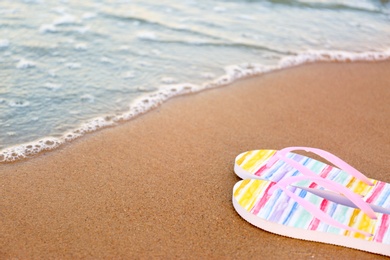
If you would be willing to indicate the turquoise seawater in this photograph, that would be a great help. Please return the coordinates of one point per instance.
(68, 67)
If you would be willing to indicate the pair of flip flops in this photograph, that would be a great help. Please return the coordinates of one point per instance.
(296, 196)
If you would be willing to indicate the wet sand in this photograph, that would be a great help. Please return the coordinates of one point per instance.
(160, 186)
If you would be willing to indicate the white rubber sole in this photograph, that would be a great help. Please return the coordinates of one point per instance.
(311, 235)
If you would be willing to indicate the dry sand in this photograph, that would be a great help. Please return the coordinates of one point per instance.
(160, 186)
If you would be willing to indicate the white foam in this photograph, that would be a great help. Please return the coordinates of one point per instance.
(155, 52)
(146, 89)
(128, 75)
(168, 80)
(246, 17)
(340, 56)
(87, 98)
(219, 9)
(8, 11)
(146, 35)
(207, 75)
(65, 19)
(73, 65)
(81, 46)
(83, 30)
(25, 64)
(87, 16)
(52, 73)
(365, 5)
(155, 99)
(34, 1)
(52, 86)
(4, 43)
(48, 28)
(18, 103)
(107, 60)
(124, 47)
(60, 10)
(29, 149)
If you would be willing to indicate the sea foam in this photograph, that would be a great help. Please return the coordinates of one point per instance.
(4, 43)
(25, 64)
(66, 19)
(145, 35)
(48, 28)
(18, 103)
(165, 92)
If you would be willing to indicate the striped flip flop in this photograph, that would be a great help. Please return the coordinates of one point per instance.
(276, 165)
(286, 209)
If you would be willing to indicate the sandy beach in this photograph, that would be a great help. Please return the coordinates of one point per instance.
(160, 186)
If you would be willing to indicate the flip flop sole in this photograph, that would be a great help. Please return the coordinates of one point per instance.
(254, 196)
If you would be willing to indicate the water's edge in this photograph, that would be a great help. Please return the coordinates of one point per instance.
(164, 93)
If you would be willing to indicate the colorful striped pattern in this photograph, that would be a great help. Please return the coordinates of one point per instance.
(255, 162)
(280, 208)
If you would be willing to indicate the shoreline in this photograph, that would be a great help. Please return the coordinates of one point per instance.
(160, 184)
(146, 103)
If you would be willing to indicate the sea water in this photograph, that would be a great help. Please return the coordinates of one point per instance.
(68, 67)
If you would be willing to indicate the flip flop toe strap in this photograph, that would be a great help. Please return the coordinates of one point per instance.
(315, 211)
(281, 154)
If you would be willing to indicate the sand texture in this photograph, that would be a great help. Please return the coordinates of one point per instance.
(160, 186)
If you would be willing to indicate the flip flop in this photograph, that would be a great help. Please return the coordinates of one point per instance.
(276, 165)
(288, 210)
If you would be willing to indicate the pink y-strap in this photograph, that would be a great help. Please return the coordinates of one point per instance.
(316, 212)
(281, 154)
